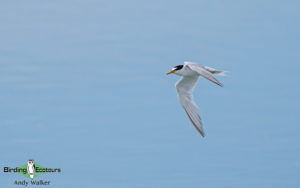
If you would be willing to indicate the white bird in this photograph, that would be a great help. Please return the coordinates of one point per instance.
(190, 73)
(31, 168)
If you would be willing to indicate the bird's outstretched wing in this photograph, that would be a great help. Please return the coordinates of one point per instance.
(202, 71)
(185, 88)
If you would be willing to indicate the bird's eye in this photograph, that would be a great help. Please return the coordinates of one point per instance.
(178, 67)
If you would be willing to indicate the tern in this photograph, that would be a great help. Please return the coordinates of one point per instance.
(190, 73)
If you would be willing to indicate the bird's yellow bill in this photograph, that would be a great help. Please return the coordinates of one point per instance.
(170, 72)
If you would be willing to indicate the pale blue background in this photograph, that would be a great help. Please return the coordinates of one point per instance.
(83, 88)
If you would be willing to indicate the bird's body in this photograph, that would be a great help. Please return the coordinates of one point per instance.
(190, 73)
(31, 168)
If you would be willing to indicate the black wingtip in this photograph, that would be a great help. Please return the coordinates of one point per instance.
(202, 134)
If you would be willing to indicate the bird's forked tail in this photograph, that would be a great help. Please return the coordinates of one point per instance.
(219, 72)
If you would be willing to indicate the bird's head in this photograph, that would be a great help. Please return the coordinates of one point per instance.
(30, 161)
(175, 69)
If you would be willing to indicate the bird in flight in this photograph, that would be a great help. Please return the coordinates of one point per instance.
(190, 73)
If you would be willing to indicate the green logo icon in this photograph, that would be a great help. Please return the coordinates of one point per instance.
(31, 170)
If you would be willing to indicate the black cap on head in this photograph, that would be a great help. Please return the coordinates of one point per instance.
(178, 67)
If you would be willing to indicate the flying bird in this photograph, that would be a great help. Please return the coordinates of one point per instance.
(190, 73)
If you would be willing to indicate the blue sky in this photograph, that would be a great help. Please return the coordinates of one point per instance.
(83, 88)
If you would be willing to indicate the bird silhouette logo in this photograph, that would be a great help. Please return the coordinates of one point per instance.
(31, 168)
